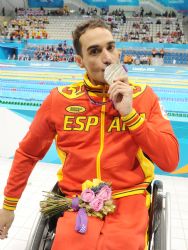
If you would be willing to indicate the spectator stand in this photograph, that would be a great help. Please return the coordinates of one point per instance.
(142, 28)
(60, 52)
(144, 56)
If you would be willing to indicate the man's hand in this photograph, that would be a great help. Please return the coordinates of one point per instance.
(121, 94)
(6, 219)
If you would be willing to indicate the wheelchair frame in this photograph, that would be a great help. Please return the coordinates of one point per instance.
(160, 219)
(159, 233)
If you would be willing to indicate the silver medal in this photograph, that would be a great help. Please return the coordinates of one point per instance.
(114, 71)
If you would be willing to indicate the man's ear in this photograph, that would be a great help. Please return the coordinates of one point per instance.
(79, 61)
(119, 53)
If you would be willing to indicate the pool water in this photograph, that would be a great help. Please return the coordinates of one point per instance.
(23, 87)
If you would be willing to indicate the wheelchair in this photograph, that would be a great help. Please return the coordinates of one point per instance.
(159, 233)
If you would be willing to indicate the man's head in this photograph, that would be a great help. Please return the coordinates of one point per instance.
(95, 48)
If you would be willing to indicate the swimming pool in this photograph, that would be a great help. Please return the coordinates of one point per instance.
(24, 85)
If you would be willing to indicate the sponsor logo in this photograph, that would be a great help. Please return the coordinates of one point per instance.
(75, 109)
(143, 69)
(40, 64)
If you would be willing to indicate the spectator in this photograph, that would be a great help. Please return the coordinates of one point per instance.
(5, 24)
(141, 12)
(126, 37)
(14, 56)
(124, 18)
(158, 21)
(161, 39)
(3, 11)
(11, 37)
(154, 52)
(161, 52)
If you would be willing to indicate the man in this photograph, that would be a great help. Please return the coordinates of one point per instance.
(101, 132)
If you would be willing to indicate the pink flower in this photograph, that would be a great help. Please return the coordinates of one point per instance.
(87, 195)
(97, 204)
(105, 193)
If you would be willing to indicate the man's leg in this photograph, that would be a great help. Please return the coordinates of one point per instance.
(126, 229)
(68, 239)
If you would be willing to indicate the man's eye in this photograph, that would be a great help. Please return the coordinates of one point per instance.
(94, 51)
(111, 47)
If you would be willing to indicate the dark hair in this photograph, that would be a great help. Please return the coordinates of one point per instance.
(82, 28)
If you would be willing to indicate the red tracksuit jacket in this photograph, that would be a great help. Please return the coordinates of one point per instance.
(94, 141)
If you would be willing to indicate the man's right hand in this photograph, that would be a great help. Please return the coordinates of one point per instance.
(6, 219)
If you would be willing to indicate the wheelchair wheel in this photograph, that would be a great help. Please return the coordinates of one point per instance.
(43, 230)
(159, 227)
(43, 233)
(159, 235)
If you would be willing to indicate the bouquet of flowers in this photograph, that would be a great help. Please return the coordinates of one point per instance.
(95, 200)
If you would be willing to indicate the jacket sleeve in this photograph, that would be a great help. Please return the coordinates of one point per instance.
(154, 135)
(32, 148)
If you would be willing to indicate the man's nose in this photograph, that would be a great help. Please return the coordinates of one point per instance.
(106, 57)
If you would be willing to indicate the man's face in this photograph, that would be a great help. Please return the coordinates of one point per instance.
(98, 51)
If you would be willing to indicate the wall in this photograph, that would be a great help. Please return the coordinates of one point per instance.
(119, 44)
(107, 3)
(180, 5)
(10, 5)
(9, 48)
(5, 48)
(46, 3)
(3, 53)
(152, 45)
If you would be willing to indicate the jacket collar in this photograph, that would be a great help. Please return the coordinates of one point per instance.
(101, 88)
